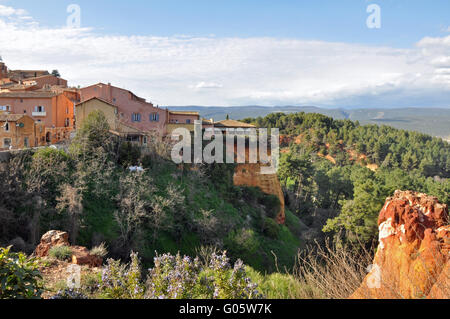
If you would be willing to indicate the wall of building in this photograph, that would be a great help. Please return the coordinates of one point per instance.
(178, 118)
(128, 104)
(63, 108)
(26, 106)
(17, 135)
(42, 81)
(83, 110)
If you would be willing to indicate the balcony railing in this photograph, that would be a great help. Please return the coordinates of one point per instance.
(39, 114)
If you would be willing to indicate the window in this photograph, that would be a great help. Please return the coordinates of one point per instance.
(67, 122)
(136, 117)
(6, 142)
(26, 142)
(4, 108)
(188, 121)
(154, 117)
(39, 109)
(145, 140)
(7, 127)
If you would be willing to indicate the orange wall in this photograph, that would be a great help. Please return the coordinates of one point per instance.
(17, 135)
(182, 118)
(128, 104)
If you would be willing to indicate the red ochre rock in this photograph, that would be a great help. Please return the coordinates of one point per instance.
(56, 238)
(412, 259)
(52, 238)
(250, 175)
(81, 256)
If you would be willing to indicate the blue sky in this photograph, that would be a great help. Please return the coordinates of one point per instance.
(404, 22)
(241, 52)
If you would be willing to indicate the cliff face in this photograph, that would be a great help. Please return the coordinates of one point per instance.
(250, 175)
(412, 259)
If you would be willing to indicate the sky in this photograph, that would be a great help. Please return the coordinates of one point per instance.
(237, 53)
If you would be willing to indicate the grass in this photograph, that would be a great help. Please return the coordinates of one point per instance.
(63, 253)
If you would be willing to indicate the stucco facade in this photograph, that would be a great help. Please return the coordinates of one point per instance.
(132, 110)
(54, 111)
(18, 131)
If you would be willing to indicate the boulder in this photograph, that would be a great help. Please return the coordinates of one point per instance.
(81, 256)
(52, 238)
(412, 259)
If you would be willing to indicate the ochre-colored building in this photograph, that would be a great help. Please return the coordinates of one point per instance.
(111, 112)
(54, 111)
(19, 131)
(132, 110)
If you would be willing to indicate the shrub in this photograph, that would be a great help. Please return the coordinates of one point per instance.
(63, 253)
(243, 243)
(174, 277)
(271, 228)
(272, 204)
(122, 281)
(129, 154)
(277, 285)
(90, 283)
(99, 251)
(19, 276)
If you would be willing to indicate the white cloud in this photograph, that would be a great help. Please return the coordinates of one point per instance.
(10, 11)
(187, 70)
(206, 85)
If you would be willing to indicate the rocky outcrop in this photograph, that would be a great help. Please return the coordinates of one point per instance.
(250, 175)
(81, 256)
(56, 238)
(412, 259)
(52, 238)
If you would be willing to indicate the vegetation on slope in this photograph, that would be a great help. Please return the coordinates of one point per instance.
(89, 191)
(327, 183)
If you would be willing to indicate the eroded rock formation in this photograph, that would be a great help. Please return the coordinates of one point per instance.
(250, 175)
(81, 256)
(56, 238)
(412, 259)
(50, 239)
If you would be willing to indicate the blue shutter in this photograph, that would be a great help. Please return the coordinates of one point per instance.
(157, 117)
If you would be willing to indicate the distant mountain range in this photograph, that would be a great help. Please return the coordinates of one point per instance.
(433, 121)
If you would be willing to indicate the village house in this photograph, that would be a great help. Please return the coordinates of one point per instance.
(132, 110)
(19, 131)
(54, 111)
(117, 126)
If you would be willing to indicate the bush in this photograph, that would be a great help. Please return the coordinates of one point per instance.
(63, 253)
(129, 154)
(19, 276)
(99, 251)
(278, 286)
(174, 277)
(272, 204)
(271, 228)
(90, 283)
(122, 281)
(242, 243)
